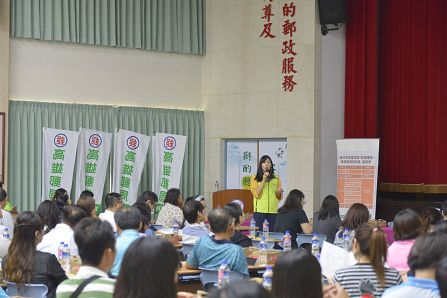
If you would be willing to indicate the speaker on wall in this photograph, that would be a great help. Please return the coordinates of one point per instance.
(332, 11)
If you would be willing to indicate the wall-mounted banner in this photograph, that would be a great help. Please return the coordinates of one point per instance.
(58, 159)
(129, 156)
(357, 168)
(168, 151)
(93, 157)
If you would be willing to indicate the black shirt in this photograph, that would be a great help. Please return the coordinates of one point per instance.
(291, 221)
(46, 270)
(240, 239)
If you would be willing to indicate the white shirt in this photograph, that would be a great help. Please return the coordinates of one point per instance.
(60, 233)
(4, 242)
(108, 216)
(8, 221)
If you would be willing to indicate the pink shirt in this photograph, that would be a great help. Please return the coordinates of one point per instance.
(398, 254)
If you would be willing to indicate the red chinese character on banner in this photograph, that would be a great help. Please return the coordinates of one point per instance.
(288, 47)
(288, 83)
(288, 28)
(267, 12)
(267, 31)
(288, 66)
(288, 10)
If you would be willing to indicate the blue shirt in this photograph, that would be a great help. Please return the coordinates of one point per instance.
(122, 243)
(208, 253)
(414, 287)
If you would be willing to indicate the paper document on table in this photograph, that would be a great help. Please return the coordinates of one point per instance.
(333, 258)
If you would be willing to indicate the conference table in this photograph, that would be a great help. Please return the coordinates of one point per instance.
(192, 285)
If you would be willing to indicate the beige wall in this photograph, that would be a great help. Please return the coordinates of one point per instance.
(73, 73)
(241, 86)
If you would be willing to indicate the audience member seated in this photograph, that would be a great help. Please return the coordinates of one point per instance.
(429, 217)
(210, 251)
(424, 258)
(50, 214)
(407, 227)
(291, 216)
(96, 243)
(295, 272)
(357, 214)
(61, 198)
(25, 265)
(368, 276)
(128, 221)
(87, 200)
(444, 209)
(145, 214)
(4, 242)
(193, 230)
(148, 269)
(197, 198)
(113, 203)
(238, 238)
(6, 218)
(63, 232)
(327, 221)
(441, 226)
(441, 277)
(151, 200)
(242, 289)
(172, 210)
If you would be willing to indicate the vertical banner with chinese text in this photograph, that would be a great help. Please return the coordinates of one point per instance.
(93, 156)
(168, 153)
(58, 159)
(129, 156)
(357, 168)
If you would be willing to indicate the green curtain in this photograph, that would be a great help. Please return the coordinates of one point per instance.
(161, 25)
(26, 120)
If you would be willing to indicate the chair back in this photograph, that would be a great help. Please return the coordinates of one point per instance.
(208, 277)
(307, 238)
(256, 243)
(187, 249)
(27, 290)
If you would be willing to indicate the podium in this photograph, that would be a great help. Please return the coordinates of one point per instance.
(223, 197)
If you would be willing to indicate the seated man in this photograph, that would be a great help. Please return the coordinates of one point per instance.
(96, 243)
(424, 258)
(113, 203)
(193, 230)
(210, 251)
(63, 232)
(128, 222)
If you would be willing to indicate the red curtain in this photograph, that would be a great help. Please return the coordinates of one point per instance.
(361, 69)
(410, 100)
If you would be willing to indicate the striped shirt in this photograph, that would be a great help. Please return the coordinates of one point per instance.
(193, 232)
(99, 288)
(361, 278)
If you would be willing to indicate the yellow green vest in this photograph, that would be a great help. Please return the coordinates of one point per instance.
(267, 202)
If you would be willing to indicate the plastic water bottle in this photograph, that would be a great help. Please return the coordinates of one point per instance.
(265, 229)
(267, 278)
(287, 242)
(175, 229)
(316, 246)
(66, 258)
(346, 239)
(6, 233)
(60, 251)
(223, 274)
(263, 251)
(252, 228)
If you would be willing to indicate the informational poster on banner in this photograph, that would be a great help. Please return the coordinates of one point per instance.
(93, 157)
(129, 156)
(242, 158)
(357, 168)
(58, 159)
(168, 153)
(241, 161)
